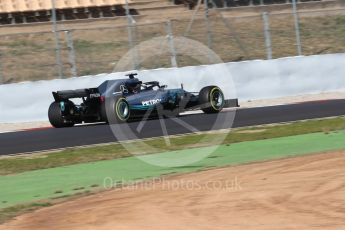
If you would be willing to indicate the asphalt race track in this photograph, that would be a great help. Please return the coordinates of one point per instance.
(48, 139)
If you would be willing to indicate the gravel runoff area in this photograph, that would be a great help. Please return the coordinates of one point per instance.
(298, 193)
(12, 127)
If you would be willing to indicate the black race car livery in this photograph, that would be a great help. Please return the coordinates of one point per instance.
(117, 101)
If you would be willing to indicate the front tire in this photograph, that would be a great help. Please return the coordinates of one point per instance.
(211, 99)
(55, 117)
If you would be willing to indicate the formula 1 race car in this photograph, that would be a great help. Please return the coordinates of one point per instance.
(118, 101)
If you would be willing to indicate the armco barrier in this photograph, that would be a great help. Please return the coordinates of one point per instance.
(249, 80)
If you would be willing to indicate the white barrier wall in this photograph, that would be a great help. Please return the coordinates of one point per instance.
(249, 80)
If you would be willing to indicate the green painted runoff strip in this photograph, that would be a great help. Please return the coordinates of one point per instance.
(50, 183)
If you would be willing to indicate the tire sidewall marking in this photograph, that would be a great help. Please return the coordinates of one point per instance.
(211, 100)
(117, 108)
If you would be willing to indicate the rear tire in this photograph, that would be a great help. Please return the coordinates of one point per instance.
(55, 117)
(211, 99)
(120, 110)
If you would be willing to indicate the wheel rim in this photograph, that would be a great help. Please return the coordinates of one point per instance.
(122, 110)
(217, 99)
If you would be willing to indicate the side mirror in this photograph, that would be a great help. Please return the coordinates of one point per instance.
(163, 86)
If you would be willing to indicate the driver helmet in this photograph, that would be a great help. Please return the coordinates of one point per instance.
(134, 87)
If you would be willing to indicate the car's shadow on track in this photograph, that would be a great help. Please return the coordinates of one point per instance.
(135, 121)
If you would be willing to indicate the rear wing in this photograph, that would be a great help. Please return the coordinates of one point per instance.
(79, 93)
